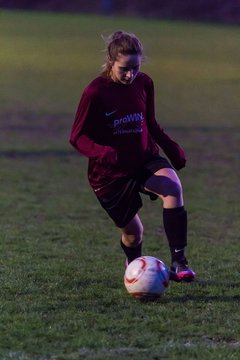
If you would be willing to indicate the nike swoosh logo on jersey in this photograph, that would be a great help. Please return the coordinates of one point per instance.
(110, 113)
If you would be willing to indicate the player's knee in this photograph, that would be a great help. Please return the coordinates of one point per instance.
(176, 190)
(133, 239)
(132, 233)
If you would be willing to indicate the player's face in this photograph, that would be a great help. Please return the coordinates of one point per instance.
(125, 68)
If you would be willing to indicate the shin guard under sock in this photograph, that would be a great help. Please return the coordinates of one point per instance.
(132, 252)
(175, 225)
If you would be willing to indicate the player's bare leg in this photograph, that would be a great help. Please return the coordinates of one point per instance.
(131, 240)
(166, 184)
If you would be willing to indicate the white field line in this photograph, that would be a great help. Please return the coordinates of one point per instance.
(114, 351)
(205, 342)
(85, 352)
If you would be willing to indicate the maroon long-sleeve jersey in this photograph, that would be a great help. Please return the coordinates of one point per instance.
(115, 127)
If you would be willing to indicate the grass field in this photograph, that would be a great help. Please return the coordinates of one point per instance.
(61, 269)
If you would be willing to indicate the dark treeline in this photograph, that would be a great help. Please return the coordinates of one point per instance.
(226, 11)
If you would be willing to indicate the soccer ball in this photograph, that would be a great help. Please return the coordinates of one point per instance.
(146, 277)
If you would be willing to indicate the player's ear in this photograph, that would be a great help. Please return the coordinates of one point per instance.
(110, 61)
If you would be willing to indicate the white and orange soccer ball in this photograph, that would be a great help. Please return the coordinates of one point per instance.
(146, 277)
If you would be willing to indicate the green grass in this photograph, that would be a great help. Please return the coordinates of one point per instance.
(61, 270)
(48, 59)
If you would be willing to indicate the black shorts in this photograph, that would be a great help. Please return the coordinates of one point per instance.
(123, 200)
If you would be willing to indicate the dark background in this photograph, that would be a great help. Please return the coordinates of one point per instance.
(224, 11)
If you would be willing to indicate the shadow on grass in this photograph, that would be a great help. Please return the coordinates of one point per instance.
(203, 298)
(223, 284)
(208, 284)
(196, 298)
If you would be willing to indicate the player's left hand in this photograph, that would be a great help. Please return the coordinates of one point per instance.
(177, 156)
(179, 163)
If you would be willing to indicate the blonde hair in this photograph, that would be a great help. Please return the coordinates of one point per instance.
(120, 42)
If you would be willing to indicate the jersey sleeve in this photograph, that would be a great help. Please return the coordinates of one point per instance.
(173, 151)
(80, 138)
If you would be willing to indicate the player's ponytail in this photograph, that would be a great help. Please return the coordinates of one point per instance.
(120, 42)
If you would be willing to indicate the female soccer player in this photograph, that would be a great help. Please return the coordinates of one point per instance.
(115, 127)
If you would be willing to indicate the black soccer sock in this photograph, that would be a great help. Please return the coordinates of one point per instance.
(175, 225)
(132, 252)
